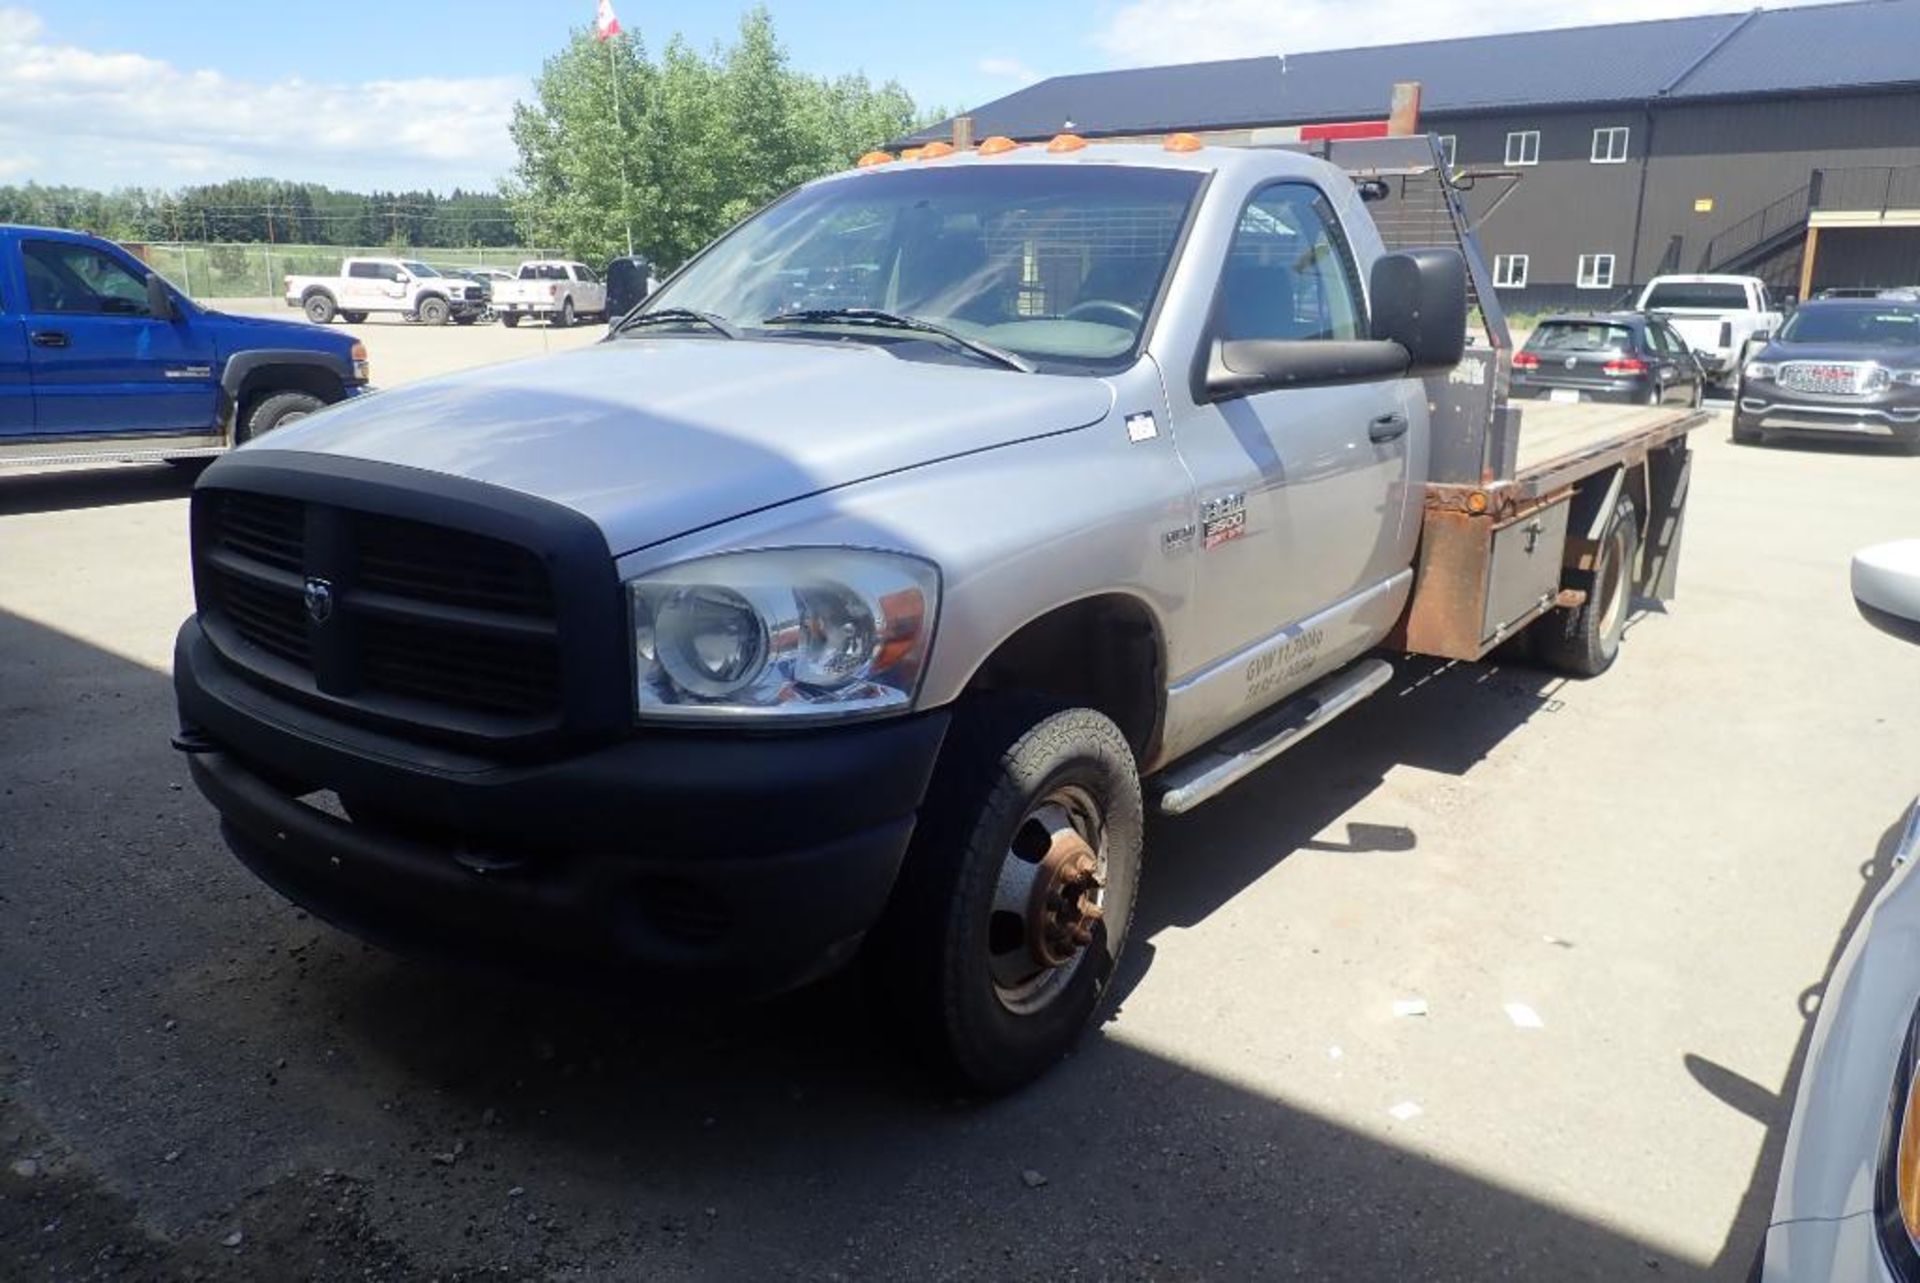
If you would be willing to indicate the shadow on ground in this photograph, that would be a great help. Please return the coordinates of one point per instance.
(78, 488)
(188, 1059)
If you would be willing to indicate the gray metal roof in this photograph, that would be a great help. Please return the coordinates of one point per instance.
(1865, 43)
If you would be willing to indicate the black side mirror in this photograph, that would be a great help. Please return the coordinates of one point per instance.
(1420, 302)
(160, 299)
(1761, 336)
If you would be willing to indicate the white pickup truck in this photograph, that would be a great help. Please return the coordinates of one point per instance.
(1723, 318)
(558, 289)
(368, 285)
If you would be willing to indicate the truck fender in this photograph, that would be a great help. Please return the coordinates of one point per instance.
(311, 290)
(241, 365)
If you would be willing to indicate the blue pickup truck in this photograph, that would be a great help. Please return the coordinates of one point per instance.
(102, 360)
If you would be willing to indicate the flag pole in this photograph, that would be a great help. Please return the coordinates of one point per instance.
(613, 74)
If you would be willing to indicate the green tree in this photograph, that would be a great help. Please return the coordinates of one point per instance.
(699, 142)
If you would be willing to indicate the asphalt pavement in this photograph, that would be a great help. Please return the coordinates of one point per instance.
(1614, 901)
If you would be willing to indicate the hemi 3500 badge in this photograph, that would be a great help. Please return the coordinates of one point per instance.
(1222, 519)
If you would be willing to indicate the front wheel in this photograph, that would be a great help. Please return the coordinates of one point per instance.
(277, 411)
(1017, 894)
(1584, 640)
(434, 311)
(509, 319)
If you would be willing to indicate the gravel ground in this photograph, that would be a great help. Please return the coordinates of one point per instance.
(199, 1081)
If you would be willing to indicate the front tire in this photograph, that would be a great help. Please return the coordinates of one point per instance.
(509, 319)
(1584, 640)
(1746, 434)
(277, 411)
(1017, 894)
(434, 311)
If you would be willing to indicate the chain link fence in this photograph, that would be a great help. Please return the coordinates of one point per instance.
(216, 270)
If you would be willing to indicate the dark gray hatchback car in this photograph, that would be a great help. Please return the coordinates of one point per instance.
(1634, 358)
(1848, 366)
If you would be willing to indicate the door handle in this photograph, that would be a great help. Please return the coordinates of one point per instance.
(49, 338)
(1388, 427)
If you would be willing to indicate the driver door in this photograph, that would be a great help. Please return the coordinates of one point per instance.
(101, 364)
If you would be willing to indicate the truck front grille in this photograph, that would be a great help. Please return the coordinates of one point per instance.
(407, 618)
(1833, 378)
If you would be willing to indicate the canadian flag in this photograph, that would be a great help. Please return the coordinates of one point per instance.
(606, 25)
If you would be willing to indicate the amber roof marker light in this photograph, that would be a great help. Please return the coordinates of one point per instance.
(997, 145)
(1183, 142)
(1067, 142)
(873, 158)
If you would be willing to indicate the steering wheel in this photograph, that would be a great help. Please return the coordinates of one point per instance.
(1130, 317)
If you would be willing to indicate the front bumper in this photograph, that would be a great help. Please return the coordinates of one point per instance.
(1889, 415)
(740, 862)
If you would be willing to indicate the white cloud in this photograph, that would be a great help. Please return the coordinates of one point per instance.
(107, 119)
(1008, 69)
(1149, 32)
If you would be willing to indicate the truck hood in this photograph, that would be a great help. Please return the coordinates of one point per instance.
(651, 438)
(1893, 357)
(261, 330)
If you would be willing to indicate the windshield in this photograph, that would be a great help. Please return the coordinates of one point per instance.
(1060, 264)
(1871, 326)
(1703, 295)
(419, 269)
(1580, 336)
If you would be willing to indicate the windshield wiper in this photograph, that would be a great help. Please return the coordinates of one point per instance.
(881, 319)
(718, 324)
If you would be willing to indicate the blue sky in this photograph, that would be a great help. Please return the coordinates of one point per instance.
(418, 93)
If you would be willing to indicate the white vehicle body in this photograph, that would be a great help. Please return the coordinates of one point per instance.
(1836, 1209)
(368, 285)
(557, 289)
(1722, 318)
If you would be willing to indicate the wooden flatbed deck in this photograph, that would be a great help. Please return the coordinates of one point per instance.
(1559, 444)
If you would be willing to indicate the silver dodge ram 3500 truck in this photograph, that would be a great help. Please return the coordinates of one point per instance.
(860, 592)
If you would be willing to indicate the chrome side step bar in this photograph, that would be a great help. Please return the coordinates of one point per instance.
(1211, 771)
(20, 452)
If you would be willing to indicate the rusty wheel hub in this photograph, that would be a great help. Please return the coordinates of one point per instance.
(1066, 900)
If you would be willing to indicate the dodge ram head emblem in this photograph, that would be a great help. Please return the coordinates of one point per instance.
(319, 599)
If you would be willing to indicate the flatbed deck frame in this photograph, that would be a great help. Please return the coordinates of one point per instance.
(1518, 497)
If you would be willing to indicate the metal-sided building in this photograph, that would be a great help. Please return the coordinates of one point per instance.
(1782, 143)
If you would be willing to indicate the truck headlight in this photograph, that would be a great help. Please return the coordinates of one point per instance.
(1763, 371)
(362, 368)
(782, 633)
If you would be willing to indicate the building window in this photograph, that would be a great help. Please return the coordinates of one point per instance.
(1448, 146)
(1610, 146)
(1510, 271)
(1524, 148)
(1596, 271)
